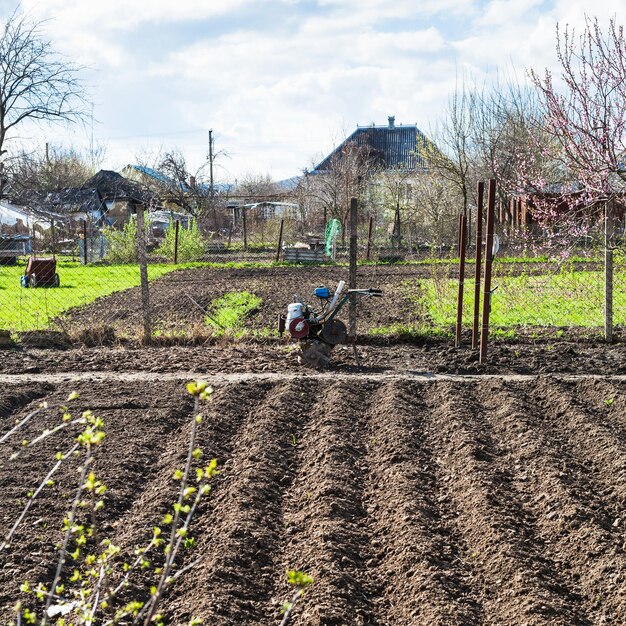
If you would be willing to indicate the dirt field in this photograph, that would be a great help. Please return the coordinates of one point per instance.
(489, 502)
(173, 311)
(416, 486)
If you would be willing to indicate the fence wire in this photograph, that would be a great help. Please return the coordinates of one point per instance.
(251, 271)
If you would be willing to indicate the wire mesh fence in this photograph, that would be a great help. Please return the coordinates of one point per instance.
(198, 276)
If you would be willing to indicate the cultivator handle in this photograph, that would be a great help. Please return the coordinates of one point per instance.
(371, 292)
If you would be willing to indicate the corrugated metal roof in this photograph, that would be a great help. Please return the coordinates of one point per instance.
(392, 147)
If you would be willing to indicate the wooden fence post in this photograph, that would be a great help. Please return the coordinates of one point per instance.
(280, 239)
(143, 274)
(353, 267)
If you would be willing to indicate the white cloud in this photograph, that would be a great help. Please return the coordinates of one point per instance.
(280, 81)
(127, 14)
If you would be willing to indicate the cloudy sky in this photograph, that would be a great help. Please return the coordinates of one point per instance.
(282, 81)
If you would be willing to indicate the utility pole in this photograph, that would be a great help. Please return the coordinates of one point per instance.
(211, 190)
(211, 187)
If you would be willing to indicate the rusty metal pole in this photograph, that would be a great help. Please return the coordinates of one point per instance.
(85, 242)
(484, 332)
(176, 233)
(608, 272)
(280, 239)
(459, 307)
(369, 236)
(479, 243)
(143, 275)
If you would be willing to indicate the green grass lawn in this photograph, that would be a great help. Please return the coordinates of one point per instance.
(562, 299)
(30, 309)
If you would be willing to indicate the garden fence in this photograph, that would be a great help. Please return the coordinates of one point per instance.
(540, 289)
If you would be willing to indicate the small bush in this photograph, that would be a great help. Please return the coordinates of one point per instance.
(122, 244)
(191, 246)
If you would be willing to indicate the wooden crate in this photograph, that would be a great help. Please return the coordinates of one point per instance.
(303, 255)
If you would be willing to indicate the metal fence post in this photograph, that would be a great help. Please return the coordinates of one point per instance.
(176, 234)
(85, 242)
(369, 236)
(608, 272)
(143, 274)
(245, 229)
(479, 242)
(484, 333)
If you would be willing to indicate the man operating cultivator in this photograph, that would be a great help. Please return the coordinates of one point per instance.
(320, 331)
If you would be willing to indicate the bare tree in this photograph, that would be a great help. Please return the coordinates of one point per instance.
(395, 190)
(33, 176)
(36, 83)
(486, 133)
(435, 209)
(345, 178)
(257, 187)
(452, 155)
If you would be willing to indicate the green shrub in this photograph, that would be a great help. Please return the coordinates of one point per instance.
(122, 244)
(191, 245)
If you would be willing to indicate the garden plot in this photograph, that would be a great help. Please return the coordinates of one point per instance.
(531, 298)
(478, 502)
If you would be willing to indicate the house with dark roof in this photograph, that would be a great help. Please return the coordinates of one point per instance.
(388, 147)
(106, 199)
(380, 164)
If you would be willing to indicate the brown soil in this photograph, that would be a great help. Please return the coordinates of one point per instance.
(432, 503)
(488, 502)
(173, 312)
(523, 356)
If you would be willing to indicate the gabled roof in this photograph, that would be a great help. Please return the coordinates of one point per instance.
(158, 176)
(289, 184)
(391, 146)
(113, 186)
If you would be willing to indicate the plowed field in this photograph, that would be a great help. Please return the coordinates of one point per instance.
(442, 502)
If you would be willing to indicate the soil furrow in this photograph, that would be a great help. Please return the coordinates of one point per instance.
(595, 450)
(600, 438)
(605, 400)
(512, 577)
(14, 398)
(235, 581)
(592, 461)
(330, 539)
(411, 500)
(564, 497)
(294, 418)
(223, 416)
(414, 549)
